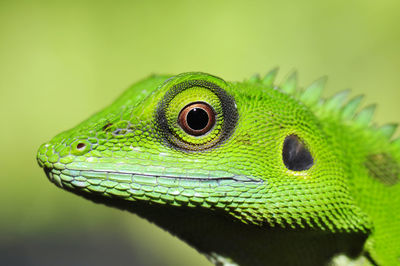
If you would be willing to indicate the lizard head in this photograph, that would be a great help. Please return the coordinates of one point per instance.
(196, 141)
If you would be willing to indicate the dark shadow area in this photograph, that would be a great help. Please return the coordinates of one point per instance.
(215, 232)
(72, 249)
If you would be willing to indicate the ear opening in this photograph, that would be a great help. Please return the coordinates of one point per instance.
(295, 154)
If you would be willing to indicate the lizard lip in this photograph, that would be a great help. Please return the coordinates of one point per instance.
(96, 176)
(146, 187)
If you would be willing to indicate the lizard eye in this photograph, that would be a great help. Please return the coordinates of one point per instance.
(197, 118)
(196, 112)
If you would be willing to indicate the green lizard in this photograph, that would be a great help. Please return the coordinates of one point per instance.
(248, 173)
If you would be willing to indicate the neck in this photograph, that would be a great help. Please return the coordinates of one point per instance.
(373, 167)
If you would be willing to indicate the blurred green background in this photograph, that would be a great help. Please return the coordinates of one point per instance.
(61, 61)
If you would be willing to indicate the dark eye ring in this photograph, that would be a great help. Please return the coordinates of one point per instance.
(197, 118)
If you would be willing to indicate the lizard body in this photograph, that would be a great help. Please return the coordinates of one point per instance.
(248, 173)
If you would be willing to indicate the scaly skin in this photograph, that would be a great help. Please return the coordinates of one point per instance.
(281, 178)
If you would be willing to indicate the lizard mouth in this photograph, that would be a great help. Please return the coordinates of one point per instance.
(150, 183)
(165, 189)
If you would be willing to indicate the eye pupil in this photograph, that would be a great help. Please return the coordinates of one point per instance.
(197, 119)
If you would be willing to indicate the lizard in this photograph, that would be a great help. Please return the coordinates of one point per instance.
(247, 173)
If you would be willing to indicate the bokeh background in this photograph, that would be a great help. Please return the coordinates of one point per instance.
(61, 61)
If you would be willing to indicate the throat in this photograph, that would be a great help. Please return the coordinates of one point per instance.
(227, 241)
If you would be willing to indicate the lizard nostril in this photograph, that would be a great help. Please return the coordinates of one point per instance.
(81, 146)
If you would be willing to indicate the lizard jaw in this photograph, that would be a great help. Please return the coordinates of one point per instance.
(219, 192)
